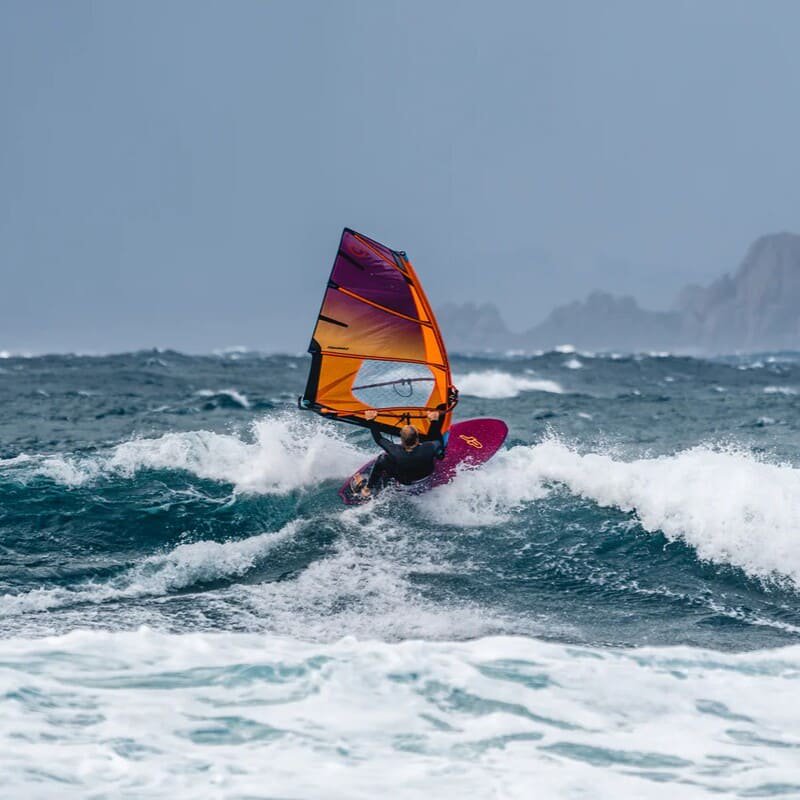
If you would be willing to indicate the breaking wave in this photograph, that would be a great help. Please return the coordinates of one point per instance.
(185, 566)
(228, 395)
(280, 454)
(496, 385)
(729, 506)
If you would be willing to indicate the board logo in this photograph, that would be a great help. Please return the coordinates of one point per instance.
(471, 441)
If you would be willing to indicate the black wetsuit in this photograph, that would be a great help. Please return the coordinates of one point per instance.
(406, 466)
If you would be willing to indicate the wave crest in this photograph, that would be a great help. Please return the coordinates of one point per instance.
(496, 385)
(281, 454)
(730, 507)
(158, 575)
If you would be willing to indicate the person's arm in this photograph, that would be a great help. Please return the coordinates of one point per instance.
(435, 431)
(380, 440)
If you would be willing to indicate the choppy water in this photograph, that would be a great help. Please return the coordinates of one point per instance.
(609, 608)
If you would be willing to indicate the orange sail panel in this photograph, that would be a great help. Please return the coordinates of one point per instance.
(376, 344)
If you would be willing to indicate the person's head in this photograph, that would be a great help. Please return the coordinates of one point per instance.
(409, 436)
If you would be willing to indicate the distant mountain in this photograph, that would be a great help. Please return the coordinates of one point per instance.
(607, 322)
(757, 308)
(476, 327)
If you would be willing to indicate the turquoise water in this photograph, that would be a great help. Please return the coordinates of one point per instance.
(609, 608)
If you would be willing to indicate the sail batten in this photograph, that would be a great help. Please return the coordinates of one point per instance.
(382, 308)
(376, 344)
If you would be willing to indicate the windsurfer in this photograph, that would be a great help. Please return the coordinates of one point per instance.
(408, 462)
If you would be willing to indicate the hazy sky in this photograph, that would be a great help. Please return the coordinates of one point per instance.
(178, 173)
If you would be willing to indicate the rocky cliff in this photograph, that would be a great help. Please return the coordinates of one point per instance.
(756, 308)
(473, 328)
(606, 322)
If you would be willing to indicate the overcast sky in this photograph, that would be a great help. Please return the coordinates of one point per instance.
(177, 174)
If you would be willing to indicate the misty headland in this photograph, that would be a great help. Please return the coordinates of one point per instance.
(754, 308)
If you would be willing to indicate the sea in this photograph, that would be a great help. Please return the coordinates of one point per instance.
(609, 608)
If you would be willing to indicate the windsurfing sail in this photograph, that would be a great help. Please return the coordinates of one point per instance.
(376, 344)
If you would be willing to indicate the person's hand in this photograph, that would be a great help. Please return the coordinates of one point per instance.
(371, 414)
(433, 416)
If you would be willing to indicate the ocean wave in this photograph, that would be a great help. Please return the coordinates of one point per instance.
(183, 567)
(366, 585)
(7, 354)
(360, 587)
(481, 719)
(495, 385)
(786, 390)
(230, 395)
(729, 506)
(235, 349)
(281, 454)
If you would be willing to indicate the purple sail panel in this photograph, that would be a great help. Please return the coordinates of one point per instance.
(369, 271)
(381, 248)
(348, 326)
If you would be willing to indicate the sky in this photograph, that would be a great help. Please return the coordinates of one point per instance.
(177, 174)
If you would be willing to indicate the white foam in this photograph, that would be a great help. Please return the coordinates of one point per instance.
(362, 588)
(157, 715)
(729, 506)
(232, 394)
(564, 348)
(67, 470)
(495, 385)
(488, 495)
(280, 454)
(573, 363)
(14, 461)
(787, 390)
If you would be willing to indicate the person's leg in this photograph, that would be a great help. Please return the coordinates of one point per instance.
(381, 472)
